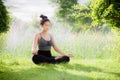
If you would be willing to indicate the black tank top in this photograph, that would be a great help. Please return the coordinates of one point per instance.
(44, 44)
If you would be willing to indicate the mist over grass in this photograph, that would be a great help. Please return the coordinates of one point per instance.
(88, 44)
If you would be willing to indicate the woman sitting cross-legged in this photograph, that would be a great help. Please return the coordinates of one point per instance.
(44, 41)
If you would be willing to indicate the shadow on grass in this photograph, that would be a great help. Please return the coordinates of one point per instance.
(47, 72)
(51, 72)
(32, 74)
(81, 67)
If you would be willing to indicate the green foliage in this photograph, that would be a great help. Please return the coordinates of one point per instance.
(4, 18)
(74, 13)
(81, 16)
(106, 11)
(65, 8)
(92, 15)
(81, 13)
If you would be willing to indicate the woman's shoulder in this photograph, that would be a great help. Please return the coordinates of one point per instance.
(37, 35)
(50, 34)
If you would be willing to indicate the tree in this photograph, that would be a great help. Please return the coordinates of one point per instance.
(65, 8)
(4, 18)
(81, 15)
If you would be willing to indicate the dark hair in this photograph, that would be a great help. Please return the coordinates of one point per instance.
(44, 19)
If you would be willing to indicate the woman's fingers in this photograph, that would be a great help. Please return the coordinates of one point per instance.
(34, 52)
(69, 55)
(57, 57)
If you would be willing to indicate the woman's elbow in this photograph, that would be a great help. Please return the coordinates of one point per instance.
(55, 48)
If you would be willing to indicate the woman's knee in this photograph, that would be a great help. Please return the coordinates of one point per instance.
(66, 58)
(35, 59)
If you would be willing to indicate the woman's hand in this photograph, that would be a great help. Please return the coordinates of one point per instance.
(34, 52)
(69, 55)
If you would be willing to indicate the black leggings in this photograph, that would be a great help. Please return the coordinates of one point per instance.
(46, 57)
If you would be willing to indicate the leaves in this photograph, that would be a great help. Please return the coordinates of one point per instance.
(4, 18)
(108, 10)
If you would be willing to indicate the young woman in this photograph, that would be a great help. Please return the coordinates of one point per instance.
(44, 41)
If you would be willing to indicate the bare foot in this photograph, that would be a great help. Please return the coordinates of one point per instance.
(57, 57)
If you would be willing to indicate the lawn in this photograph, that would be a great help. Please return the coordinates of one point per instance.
(22, 68)
(95, 58)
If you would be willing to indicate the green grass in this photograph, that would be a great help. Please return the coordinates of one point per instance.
(96, 58)
(22, 68)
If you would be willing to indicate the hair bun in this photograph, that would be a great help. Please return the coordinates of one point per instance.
(43, 17)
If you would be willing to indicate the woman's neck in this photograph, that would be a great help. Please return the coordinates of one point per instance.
(44, 32)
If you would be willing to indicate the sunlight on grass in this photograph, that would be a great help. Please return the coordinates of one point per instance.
(22, 68)
(93, 60)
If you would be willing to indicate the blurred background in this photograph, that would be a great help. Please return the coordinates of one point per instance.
(89, 29)
(74, 26)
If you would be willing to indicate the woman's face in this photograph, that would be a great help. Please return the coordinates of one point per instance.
(46, 26)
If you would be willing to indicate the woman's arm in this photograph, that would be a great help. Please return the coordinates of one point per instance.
(35, 44)
(59, 50)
